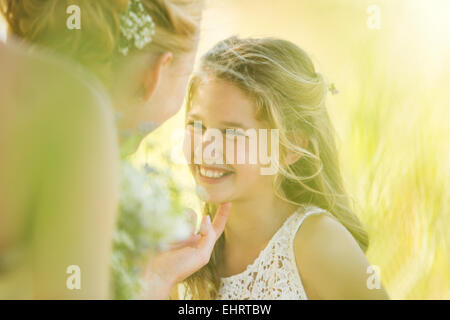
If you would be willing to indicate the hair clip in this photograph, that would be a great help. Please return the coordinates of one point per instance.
(136, 27)
(332, 89)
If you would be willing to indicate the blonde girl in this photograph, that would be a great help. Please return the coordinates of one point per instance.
(291, 235)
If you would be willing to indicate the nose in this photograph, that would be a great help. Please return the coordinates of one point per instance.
(209, 149)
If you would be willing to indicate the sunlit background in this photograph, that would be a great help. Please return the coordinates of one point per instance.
(392, 115)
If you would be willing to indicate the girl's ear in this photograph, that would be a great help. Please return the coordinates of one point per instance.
(155, 73)
(292, 157)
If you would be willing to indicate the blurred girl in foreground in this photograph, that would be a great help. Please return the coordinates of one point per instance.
(60, 162)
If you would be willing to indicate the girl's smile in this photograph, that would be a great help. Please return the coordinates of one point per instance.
(211, 174)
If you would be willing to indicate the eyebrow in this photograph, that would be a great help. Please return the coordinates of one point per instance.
(194, 116)
(234, 124)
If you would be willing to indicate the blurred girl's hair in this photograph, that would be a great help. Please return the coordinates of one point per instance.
(43, 22)
(290, 95)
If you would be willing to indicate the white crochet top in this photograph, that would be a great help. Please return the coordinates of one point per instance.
(273, 274)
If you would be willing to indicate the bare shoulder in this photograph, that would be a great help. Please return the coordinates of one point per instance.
(322, 233)
(330, 262)
(59, 139)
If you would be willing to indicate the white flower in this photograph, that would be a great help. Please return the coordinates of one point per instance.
(136, 27)
(150, 217)
(148, 201)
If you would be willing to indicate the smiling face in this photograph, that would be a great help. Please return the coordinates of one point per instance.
(219, 106)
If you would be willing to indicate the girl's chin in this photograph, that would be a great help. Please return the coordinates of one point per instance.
(212, 195)
(220, 198)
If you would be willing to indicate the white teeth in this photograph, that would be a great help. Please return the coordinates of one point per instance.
(211, 173)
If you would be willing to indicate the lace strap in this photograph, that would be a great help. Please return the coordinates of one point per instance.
(299, 220)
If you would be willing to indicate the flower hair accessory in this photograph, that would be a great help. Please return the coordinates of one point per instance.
(332, 89)
(136, 27)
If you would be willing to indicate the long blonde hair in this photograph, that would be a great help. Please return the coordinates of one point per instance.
(43, 22)
(290, 95)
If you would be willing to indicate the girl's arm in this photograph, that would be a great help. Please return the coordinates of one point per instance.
(331, 263)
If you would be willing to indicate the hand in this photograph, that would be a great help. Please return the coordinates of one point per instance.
(185, 257)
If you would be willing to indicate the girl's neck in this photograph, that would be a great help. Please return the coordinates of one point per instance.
(253, 222)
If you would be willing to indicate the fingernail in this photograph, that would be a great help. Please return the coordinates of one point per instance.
(208, 218)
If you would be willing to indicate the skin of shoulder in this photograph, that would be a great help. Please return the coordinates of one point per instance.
(87, 166)
(68, 155)
(330, 262)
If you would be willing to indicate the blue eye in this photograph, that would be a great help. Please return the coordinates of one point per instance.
(235, 132)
